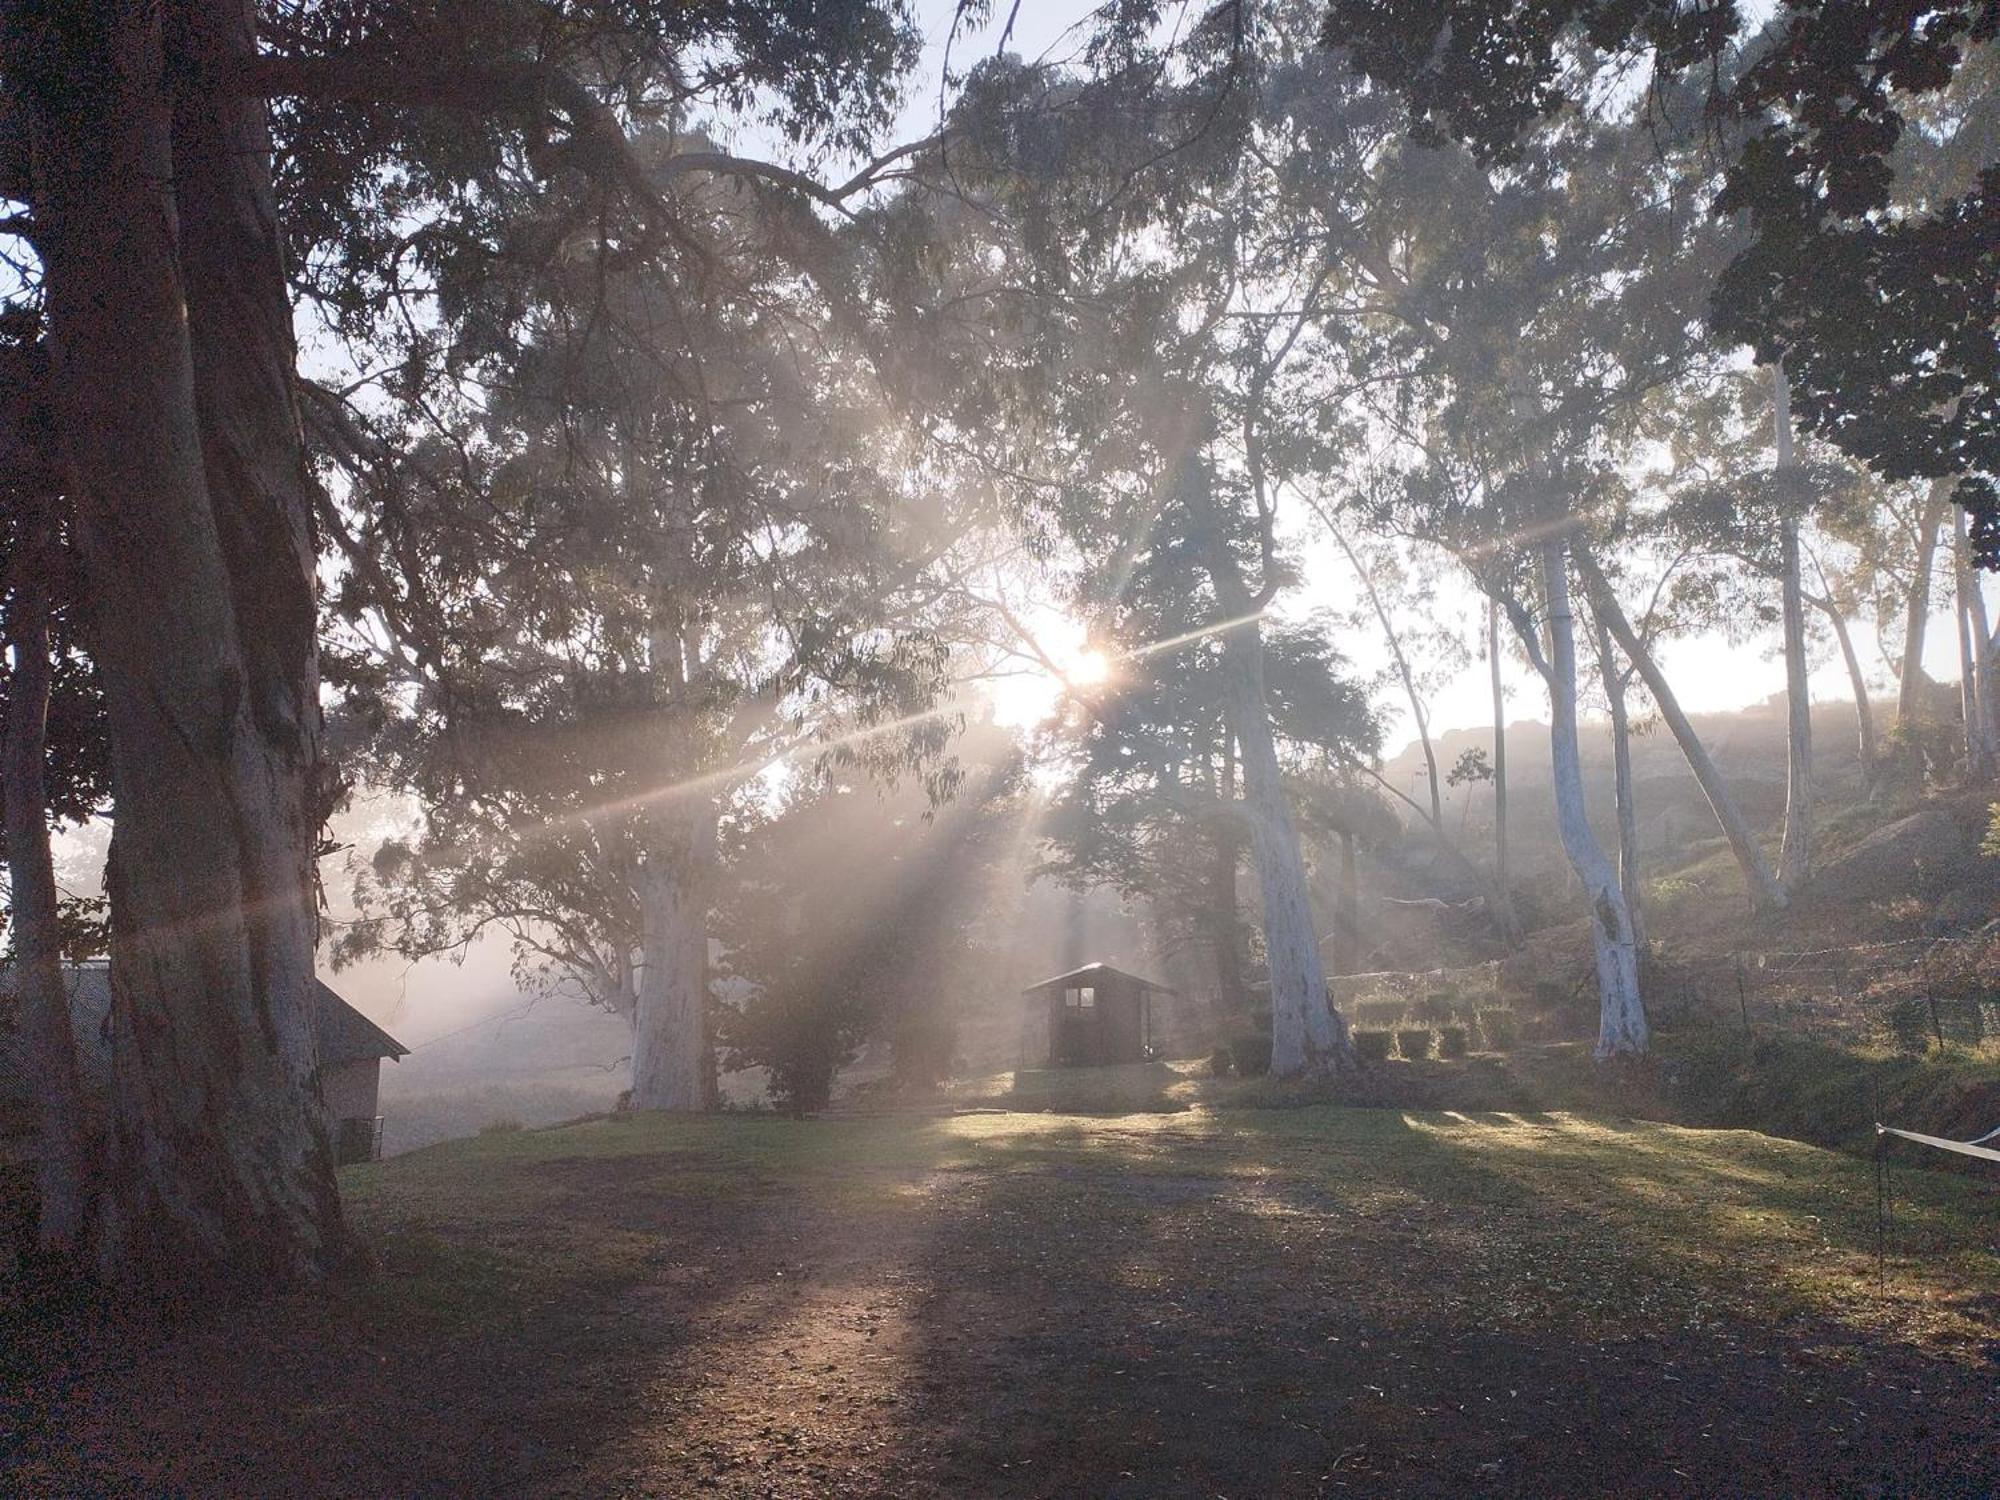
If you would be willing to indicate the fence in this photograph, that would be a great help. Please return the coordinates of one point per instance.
(1910, 994)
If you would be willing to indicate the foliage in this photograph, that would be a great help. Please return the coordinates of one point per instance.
(1821, 113)
(1251, 1052)
(851, 914)
(1414, 1042)
(1373, 1046)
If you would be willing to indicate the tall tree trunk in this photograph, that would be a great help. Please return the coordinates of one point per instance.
(1621, 1028)
(1917, 611)
(1621, 777)
(1307, 1036)
(1224, 915)
(64, 1169)
(1500, 877)
(1347, 917)
(1763, 888)
(171, 359)
(1974, 665)
(670, 1028)
(1795, 850)
(1857, 681)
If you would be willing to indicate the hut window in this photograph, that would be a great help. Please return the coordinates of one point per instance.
(1080, 997)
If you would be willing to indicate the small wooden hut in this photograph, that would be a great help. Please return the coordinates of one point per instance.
(1097, 1015)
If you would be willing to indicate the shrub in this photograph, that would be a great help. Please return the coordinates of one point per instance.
(1550, 996)
(1453, 1042)
(1500, 1029)
(1414, 1042)
(1437, 1005)
(920, 1050)
(1372, 1046)
(1252, 1054)
(1220, 1062)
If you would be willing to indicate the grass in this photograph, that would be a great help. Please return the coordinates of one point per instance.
(1221, 1298)
(462, 1227)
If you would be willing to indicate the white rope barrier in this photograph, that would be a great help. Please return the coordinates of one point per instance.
(1963, 1148)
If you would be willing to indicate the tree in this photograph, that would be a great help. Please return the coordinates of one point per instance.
(1152, 808)
(1816, 114)
(1148, 373)
(691, 579)
(52, 768)
(155, 223)
(855, 914)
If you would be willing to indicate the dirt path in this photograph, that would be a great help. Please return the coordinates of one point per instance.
(1324, 1303)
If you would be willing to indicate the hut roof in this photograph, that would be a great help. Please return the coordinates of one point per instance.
(1095, 974)
(345, 1035)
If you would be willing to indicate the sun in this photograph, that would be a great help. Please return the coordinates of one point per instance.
(1089, 669)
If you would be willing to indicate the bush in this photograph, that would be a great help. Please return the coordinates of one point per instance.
(920, 1051)
(1252, 1054)
(1550, 996)
(1372, 1046)
(1220, 1062)
(1500, 1029)
(1437, 1006)
(1414, 1042)
(1453, 1042)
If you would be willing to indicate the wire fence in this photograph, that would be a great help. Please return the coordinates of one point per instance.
(1911, 994)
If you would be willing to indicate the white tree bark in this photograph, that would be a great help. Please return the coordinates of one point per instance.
(1621, 777)
(1857, 681)
(1762, 886)
(1307, 1035)
(669, 1030)
(1795, 851)
(1621, 1027)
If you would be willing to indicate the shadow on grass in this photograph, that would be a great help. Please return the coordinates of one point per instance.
(1328, 1300)
(1257, 1302)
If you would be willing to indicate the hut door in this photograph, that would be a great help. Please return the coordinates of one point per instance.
(1077, 1041)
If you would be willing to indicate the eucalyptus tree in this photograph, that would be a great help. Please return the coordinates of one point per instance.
(139, 144)
(1149, 805)
(1128, 248)
(1515, 324)
(705, 552)
(1858, 146)
(52, 772)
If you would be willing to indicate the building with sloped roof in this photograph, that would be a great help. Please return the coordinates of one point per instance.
(351, 1049)
(1097, 1015)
